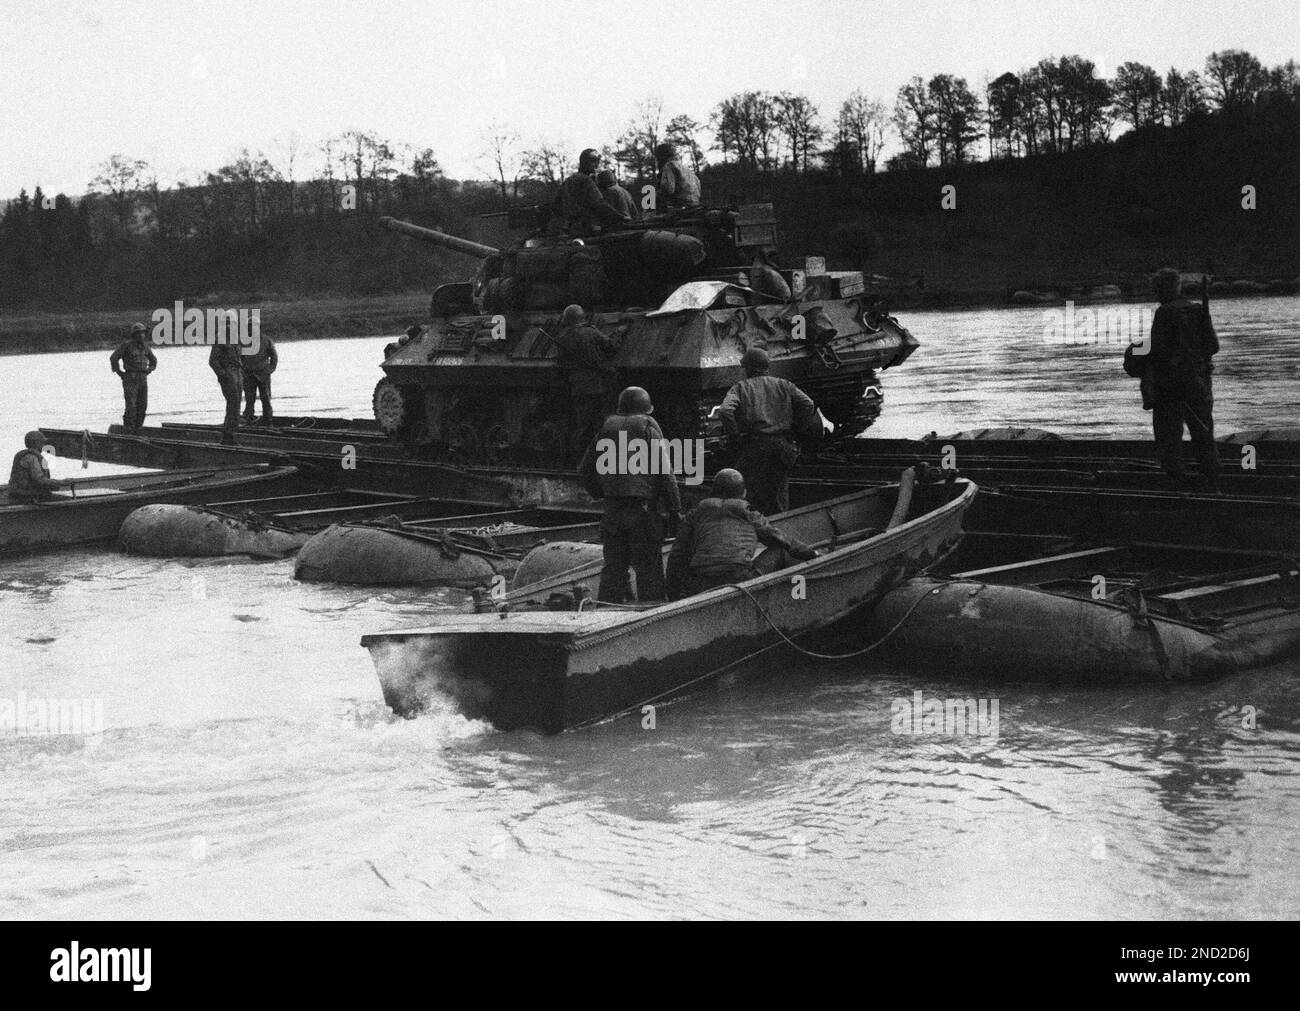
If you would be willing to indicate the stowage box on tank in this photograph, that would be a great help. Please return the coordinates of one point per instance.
(682, 295)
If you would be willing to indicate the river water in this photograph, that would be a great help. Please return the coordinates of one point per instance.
(247, 766)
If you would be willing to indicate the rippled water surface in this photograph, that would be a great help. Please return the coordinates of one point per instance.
(248, 766)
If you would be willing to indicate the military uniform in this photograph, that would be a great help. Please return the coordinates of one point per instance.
(257, 379)
(133, 361)
(678, 185)
(716, 544)
(1179, 377)
(621, 200)
(632, 528)
(763, 413)
(584, 354)
(29, 478)
(583, 209)
(224, 360)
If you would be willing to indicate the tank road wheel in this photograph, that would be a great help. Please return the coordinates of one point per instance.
(544, 442)
(496, 444)
(463, 443)
(394, 407)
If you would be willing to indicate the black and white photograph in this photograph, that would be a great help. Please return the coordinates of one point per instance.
(530, 461)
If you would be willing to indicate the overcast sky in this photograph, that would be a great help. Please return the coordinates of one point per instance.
(186, 85)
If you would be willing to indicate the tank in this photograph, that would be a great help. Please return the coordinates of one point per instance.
(683, 295)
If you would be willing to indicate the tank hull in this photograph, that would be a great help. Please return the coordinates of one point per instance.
(490, 399)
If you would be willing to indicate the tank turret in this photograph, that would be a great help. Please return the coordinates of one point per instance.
(683, 296)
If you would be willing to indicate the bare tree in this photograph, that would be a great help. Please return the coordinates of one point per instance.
(501, 152)
(796, 116)
(861, 125)
(956, 117)
(1005, 104)
(547, 162)
(286, 150)
(1138, 90)
(746, 124)
(1182, 97)
(914, 116)
(120, 180)
(635, 148)
(1235, 77)
(684, 131)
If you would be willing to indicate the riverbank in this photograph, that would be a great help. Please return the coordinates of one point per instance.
(38, 332)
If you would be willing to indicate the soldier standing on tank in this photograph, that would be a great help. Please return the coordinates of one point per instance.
(257, 379)
(580, 205)
(678, 185)
(761, 415)
(615, 195)
(584, 356)
(224, 360)
(632, 527)
(133, 361)
(1178, 370)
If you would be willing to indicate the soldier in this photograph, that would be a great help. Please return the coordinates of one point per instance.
(761, 415)
(257, 379)
(224, 360)
(133, 361)
(579, 203)
(678, 185)
(615, 195)
(716, 541)
(29, 478)
(632, 528)
(1178, 374)
(585, 358)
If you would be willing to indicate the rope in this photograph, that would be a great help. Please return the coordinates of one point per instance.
(678, 689)
(833, 656)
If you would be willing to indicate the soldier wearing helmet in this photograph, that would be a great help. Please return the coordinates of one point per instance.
(133, 361)
(579, 205)
(761, 415)
(584, 356)
(615, 195)
(716, 542)
(29, 478)
(225, 361)
(678, 185)
(632, 527)
(257, 369)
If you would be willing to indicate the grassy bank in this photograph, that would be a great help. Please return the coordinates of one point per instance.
(300, 319)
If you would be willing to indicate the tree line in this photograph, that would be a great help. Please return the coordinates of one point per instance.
(282, 219)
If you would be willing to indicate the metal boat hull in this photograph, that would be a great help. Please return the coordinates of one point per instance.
(552, 671)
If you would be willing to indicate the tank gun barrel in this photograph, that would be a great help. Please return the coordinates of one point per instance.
(438, 238)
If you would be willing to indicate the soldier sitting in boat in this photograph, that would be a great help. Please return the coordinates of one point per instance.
(29, 480)
(716, 542)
